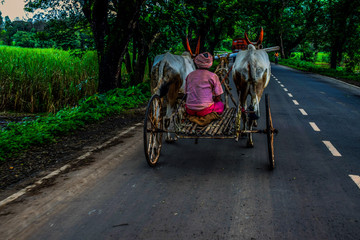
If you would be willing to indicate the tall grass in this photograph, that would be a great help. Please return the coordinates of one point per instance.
(44, 80)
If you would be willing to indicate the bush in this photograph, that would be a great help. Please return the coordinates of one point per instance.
(24, 39)
(311, 67)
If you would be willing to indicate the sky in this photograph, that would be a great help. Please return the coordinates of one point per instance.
(13, 9)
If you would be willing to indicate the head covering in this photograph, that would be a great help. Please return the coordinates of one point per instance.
(204, 60)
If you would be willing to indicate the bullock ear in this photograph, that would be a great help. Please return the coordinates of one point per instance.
(188, 47)
(261, 37)
(247, 38)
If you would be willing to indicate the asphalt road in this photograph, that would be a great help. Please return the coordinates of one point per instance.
(216, 189)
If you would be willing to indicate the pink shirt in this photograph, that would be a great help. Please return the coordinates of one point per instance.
(201, 86)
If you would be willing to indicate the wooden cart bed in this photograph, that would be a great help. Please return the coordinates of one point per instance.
(221, 128)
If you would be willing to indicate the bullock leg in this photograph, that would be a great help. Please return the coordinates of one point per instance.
(249, 122)
(254, 107)
(243, 103)
(168, 123)
(239, 116)
(172, 107)
(254, 115)
(242, 106)
(250, 142)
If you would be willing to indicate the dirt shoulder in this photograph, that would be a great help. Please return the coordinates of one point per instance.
(37, 161)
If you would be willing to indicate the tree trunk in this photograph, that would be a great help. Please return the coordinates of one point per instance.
(128, 62)
(139, 69)
(145, 44)
(111, 40)
(334, 54)
(283, 55)
(107, 73)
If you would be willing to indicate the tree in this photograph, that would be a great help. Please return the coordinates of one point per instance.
(211, 21)
(1, 27)
(69, 33)
(287, 23)
(9, 31)
(1, 20)
(342, 20)
(24, 39)
(112, 22)
(161, 27)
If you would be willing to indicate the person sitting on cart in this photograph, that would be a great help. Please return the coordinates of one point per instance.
(203, 89)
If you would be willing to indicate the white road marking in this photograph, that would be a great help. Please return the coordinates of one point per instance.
(63, 168)
(295, 102)
(332, 149)
(281, 85)
(314, 126)
(285, 89)
(303, 112)
(290, 95)
(341, 103)
(356, 179)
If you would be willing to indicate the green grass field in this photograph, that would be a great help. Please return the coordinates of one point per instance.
(44, 80)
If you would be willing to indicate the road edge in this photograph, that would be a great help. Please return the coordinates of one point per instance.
(324, 77)
(60, 170)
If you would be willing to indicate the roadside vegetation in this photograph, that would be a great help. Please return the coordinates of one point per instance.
(44, 80)
(57, 90)
(16, 137)
(319, 63)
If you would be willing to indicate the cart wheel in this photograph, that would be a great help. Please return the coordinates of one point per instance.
(269, 133)
(153, 130)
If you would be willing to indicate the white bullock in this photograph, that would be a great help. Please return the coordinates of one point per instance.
(168, 75)
(251, 74)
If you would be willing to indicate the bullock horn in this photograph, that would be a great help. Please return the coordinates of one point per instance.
(261, 37)
(197, 51)
(188, 47)
(247, 39)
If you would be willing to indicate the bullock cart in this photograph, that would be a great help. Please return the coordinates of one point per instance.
(226, 127)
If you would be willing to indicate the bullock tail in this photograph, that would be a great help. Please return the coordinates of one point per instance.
(158, 85)
(164, 83)
(169, 82)
(252, 63)
(154, 79)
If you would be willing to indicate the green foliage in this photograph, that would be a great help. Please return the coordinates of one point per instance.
(24, 39)
(69, 33)
(320, 69)
(63, 33)
(1, 18)
(16, 137)
(44, 80)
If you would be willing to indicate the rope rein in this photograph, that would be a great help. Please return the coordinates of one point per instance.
(227, 75)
